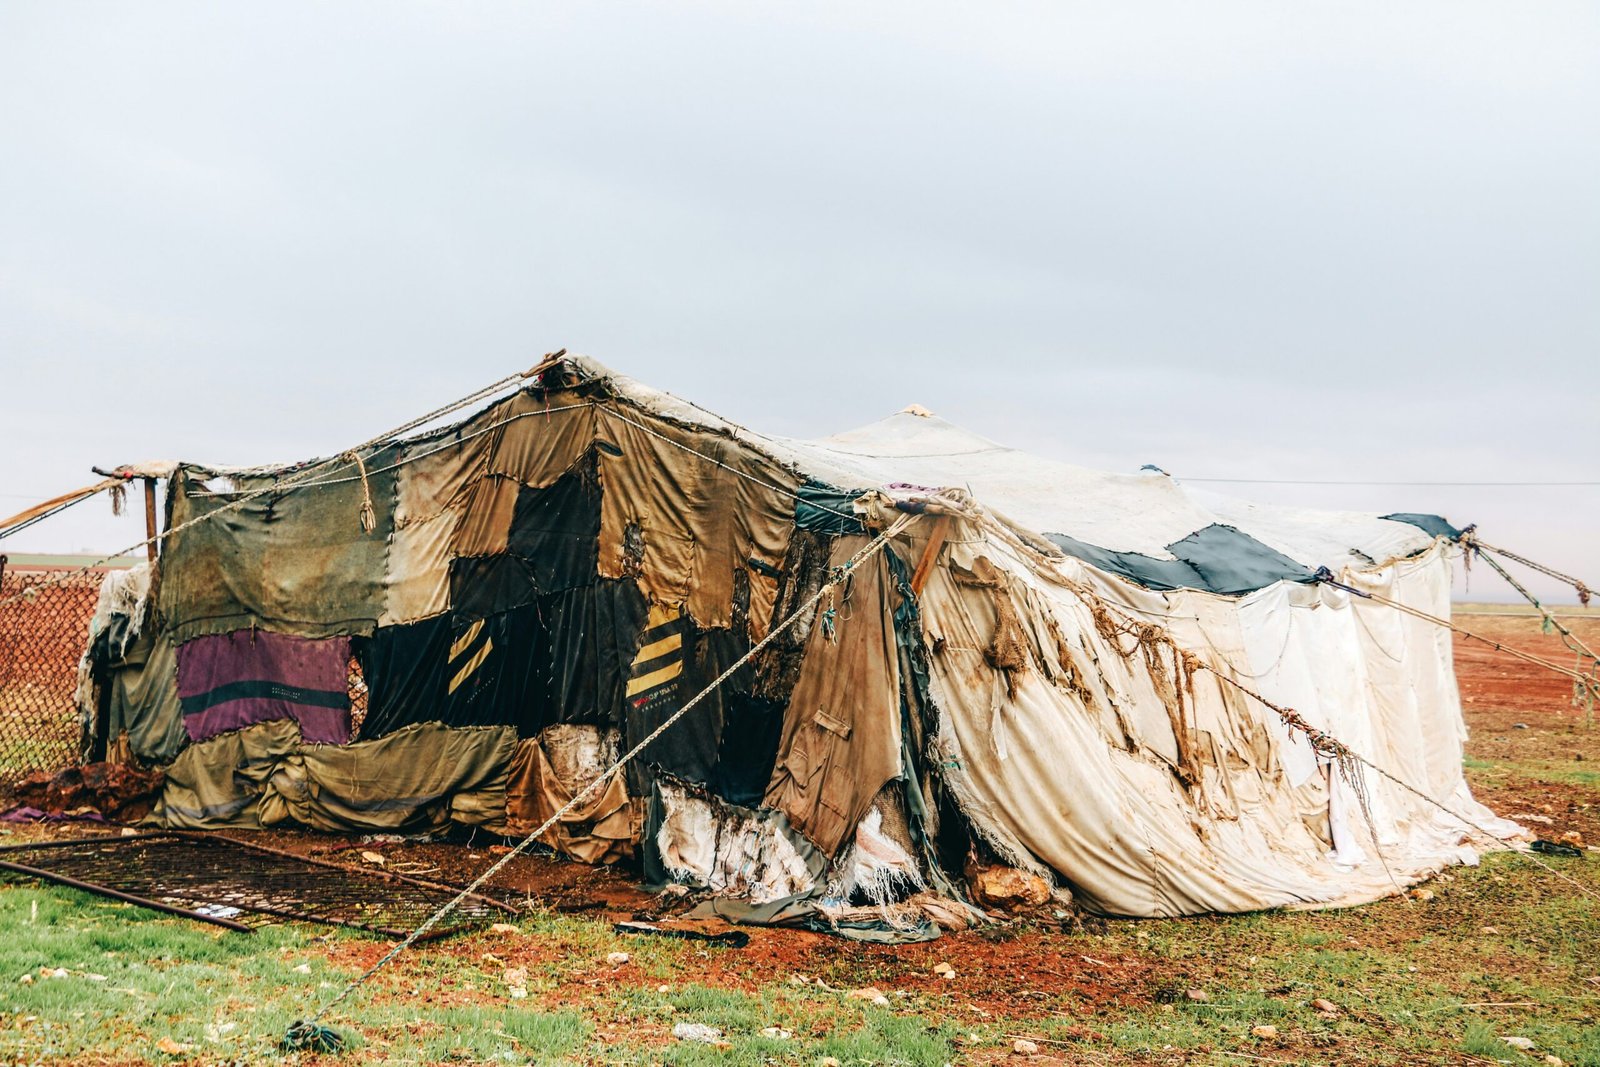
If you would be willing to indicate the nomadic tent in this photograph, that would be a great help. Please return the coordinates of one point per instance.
(964, 657)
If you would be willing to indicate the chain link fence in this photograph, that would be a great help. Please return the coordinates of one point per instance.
(44, 625)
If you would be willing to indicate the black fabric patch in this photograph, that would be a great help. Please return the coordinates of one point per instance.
(751, 730)
(1217, 559)
(493, 671)
(461, 672)
(403, 667)
(593, 633)
(557, 529)
(1433, 525)
(487, 585)
(690, 749)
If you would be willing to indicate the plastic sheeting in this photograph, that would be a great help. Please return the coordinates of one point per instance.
(1180, 796)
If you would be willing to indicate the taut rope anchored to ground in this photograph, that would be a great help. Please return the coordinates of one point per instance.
(1321, 741)
(1585, 682)
(1330, 747)
(311, 1034)
(1584, 589)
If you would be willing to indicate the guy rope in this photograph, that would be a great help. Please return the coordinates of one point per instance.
(311, 1035)
(342, 461)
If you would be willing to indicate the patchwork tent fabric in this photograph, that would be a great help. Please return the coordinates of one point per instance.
(1027, 674)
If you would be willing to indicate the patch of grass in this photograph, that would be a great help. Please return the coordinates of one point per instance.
(1503, 949)
(1563, 772)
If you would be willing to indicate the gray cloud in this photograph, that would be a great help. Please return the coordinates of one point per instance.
(1258, 240)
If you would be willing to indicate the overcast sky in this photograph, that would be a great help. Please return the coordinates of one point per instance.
(1280, 240)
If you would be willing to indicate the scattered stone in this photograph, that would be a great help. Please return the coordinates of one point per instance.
(1571, 837)
(1554, 1061)
(516, 976)
(706, 1035)
(870, 994)
(215, 1032)
(52, 972)
(617, 959)
(518, 992)
(944, 970)
(26, 979)
(777, 1032)
(1519, 726)
(1007, 887)
(1325, 1008)
(374, 858)
(1265, 1031)
(1522, 1043)
(1023, 1047)
(172, 1048)
(503, 928)
(1423, 895)
(829, 1061)
(1197, 995)
(663, 988)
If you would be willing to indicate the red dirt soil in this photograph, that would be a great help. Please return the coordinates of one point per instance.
(1017, 970)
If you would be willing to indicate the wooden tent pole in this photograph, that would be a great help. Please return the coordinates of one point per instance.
(150, 517)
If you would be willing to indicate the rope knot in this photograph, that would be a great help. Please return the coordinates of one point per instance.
(369, 517)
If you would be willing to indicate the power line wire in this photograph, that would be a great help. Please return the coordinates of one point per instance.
(1301, 481)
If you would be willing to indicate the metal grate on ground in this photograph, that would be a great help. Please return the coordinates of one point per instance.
(241, 886)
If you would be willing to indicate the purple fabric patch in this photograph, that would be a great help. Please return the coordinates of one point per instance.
(226, 681)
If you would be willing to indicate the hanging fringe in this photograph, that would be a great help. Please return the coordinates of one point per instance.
(119, 498)
(369, 517)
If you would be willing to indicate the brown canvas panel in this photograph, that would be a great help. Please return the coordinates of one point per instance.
(684, 510)
(600, 830)
(419, 777)
(486, 519)
(539, 441)
(841, 733)
(418, 584)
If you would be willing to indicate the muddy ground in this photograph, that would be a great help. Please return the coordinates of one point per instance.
(1516, 714)
(1532, 755)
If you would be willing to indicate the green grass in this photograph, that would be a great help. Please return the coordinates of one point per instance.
(1563, 772)
(1503, 949)
(1414, 983)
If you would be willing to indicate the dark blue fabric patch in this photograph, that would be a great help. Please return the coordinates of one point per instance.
(1217, 559)
(1433, 525)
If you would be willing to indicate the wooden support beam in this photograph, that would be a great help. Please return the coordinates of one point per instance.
(150, 517)
(936, 538)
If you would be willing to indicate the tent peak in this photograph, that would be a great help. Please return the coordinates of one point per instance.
(918, 410)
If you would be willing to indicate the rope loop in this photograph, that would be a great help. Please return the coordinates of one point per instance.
(369, 517)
